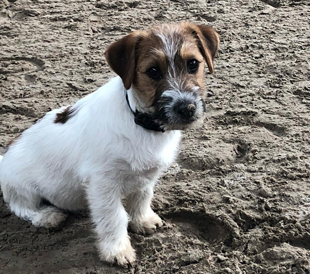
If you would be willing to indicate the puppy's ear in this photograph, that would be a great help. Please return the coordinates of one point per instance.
(208, 42)
(121, 57)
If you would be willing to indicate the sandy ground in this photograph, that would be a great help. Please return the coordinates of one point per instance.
(238, 198)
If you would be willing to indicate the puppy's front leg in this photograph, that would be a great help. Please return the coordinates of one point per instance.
(111, 220)
(143, 219)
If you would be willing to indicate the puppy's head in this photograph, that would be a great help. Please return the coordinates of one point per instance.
(164, 66)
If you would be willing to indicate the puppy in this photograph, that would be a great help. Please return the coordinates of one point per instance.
(115, 142)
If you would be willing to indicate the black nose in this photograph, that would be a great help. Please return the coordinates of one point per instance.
(185, 110)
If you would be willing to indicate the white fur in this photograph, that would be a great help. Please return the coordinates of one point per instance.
(170, 50)
(97, 157)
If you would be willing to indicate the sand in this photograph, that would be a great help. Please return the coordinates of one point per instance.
(238, 198)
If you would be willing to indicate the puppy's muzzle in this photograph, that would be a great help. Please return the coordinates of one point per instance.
(176, 108)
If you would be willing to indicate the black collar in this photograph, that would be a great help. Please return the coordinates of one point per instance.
(145, 120)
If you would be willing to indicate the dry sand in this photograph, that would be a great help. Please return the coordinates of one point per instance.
(238, 198)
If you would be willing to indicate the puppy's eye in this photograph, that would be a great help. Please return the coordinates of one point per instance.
(192, 65)
(154, 73)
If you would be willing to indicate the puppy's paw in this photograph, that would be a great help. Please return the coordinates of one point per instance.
(49, 217)
(124, 255)
(147, 225)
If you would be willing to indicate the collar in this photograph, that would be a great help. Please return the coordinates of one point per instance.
(145, 120)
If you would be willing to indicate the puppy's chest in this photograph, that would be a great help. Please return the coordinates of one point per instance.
(159, 154)
(144, 168)
(148, 163)
(140, 174)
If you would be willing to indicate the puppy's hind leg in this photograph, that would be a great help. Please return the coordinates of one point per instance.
(28, 206)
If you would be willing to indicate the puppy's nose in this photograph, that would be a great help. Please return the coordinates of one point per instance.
(186, 110)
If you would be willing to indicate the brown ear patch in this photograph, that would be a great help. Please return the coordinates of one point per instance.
(65, 115)
(121, 57)
(211, 38)
(208, 42)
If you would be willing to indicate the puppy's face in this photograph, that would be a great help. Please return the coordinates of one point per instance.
(165, 68)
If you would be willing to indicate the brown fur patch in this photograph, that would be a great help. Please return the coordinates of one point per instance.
(190, 51)
(149, 54)
(121, 56)
(207, 40)
(65, 115)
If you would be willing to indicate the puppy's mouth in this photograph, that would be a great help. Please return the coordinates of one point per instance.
(177, 110)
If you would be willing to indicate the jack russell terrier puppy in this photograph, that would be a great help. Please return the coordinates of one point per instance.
(114, 143)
